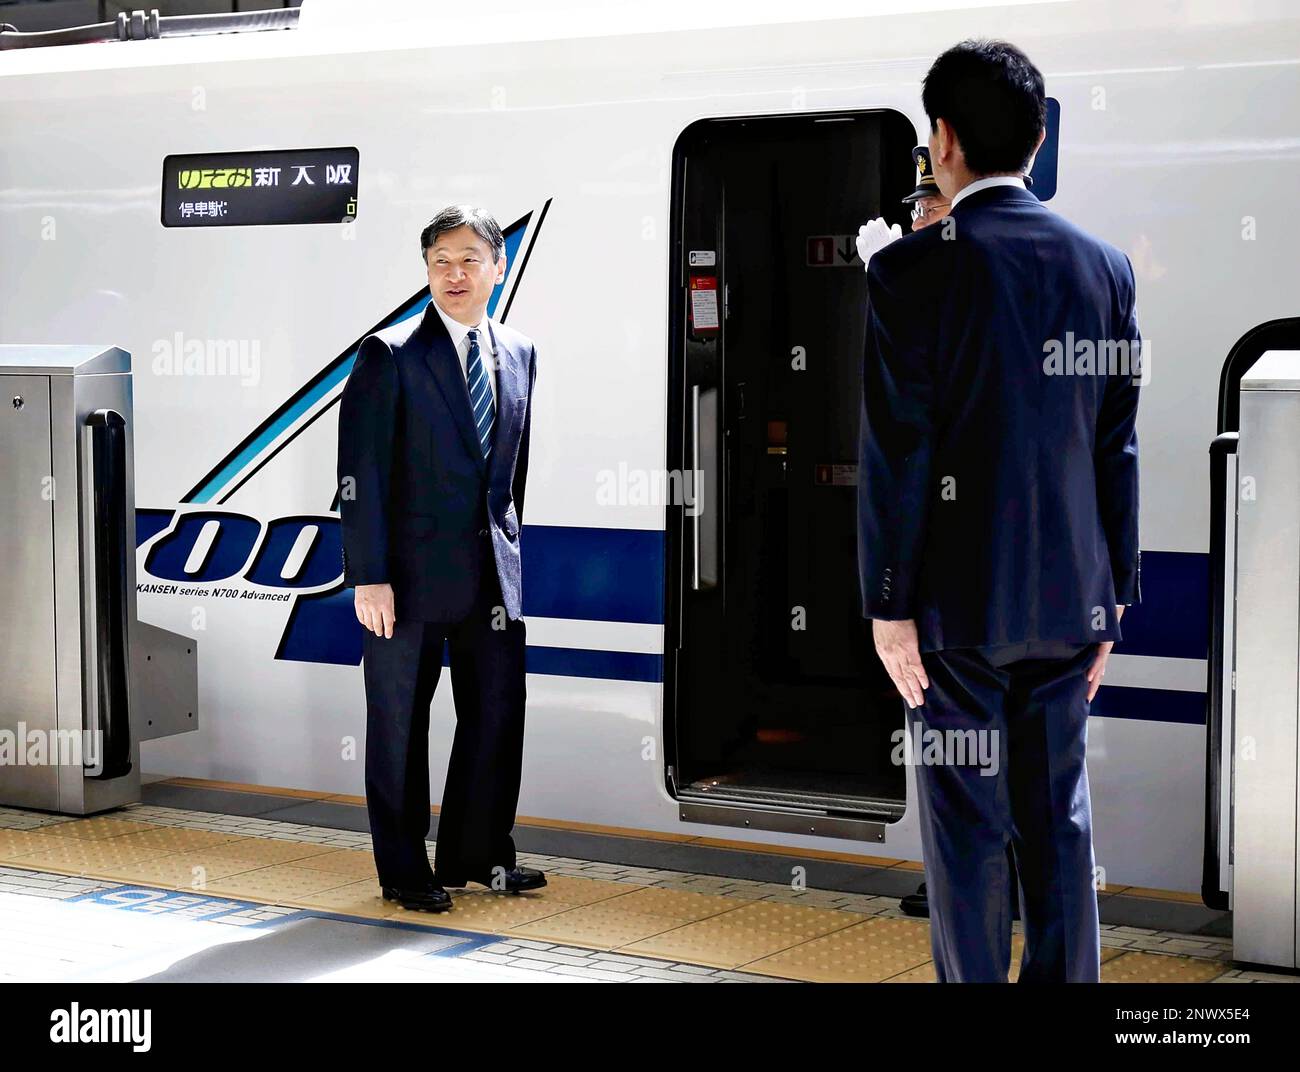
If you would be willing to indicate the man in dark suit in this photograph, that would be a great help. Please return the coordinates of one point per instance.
(998, 501)
(929, 206)
(433, 459)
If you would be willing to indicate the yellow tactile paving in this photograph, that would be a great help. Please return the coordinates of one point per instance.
(1018, 950)
(604, 925)
(867, 952)
(578, 891)
(925, 973)
(179, 838)
(494, 913)
(176, 871)
(757, 929)
(96, 829)
(76, 857)
(1160, 968)
(764, 937)
(358, 899)
(678, 904)
(263, 852)
(15, 843)
(356, 863)
(276, 882)
(634, 832)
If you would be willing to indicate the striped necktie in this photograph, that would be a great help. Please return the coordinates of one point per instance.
(480, 394)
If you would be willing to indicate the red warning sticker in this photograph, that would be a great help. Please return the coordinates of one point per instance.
(704, 304)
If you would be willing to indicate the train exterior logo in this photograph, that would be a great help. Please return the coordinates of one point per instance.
(205, 549)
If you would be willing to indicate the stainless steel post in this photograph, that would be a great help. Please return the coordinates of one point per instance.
(71, 706)
(1266, 737)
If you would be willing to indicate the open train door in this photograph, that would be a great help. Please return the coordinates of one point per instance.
(779, 715)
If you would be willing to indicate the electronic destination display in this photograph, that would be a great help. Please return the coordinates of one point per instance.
(260, 187)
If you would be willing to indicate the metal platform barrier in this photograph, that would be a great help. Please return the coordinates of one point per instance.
(82, 682)
(1252, 838)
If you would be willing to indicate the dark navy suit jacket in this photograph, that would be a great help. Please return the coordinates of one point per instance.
(998, 502)
(421, 493)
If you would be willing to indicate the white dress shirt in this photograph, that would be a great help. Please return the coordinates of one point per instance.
(985, 183)
(460, 339)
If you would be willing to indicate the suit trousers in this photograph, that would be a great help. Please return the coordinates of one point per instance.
(481, 794)
(1029, 704)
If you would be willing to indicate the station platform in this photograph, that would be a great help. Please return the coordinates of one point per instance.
(212, 883)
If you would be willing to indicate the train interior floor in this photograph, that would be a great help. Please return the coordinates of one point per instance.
(206, 883)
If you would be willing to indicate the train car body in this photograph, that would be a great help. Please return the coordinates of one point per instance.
(679, 203)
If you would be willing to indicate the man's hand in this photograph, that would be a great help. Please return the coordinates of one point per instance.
(898, 649)
(374, 605)
(875, 236)
(1098, 668)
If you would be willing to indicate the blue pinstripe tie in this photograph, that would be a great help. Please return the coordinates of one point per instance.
(480, 394)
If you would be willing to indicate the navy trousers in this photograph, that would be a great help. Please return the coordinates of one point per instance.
(484, 769)
(1029, 704)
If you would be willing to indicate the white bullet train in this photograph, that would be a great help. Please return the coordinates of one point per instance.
(679, 184)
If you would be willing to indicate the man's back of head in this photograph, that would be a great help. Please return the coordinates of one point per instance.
(987, 109)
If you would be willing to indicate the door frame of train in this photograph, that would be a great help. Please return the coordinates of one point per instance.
(778, 818)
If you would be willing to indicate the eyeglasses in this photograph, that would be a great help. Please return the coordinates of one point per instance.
(920, 210)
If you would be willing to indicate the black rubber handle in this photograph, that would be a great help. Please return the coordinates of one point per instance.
(1220, 449)
(112, 605)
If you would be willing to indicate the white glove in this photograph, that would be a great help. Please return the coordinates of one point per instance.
(875, 236)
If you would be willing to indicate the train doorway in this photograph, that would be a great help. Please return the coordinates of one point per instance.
(780, 715)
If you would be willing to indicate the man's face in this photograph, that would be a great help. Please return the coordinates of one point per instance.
(462, 273)
(932, 210)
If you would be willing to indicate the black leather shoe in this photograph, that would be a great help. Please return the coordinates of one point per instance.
(425, 899)
(516, 880)
(916, 904)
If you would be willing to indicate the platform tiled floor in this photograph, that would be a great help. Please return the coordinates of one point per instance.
(163, 893)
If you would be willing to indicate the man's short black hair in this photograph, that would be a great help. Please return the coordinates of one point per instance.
(993, 98)
(480, 221)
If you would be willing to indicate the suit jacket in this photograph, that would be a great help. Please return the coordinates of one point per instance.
(421, 497)
(998, 503)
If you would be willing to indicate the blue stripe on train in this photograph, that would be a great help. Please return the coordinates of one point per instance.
(148, 523)
(617, 575)
(595, 575)
(1149, 705)
(581, 662)
(602, 575)
(324, 629)
(1173, 619)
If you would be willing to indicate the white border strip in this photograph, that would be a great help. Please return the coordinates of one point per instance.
(595, 636)
(1156, 672)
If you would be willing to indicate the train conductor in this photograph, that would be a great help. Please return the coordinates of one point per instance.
(432, 462)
